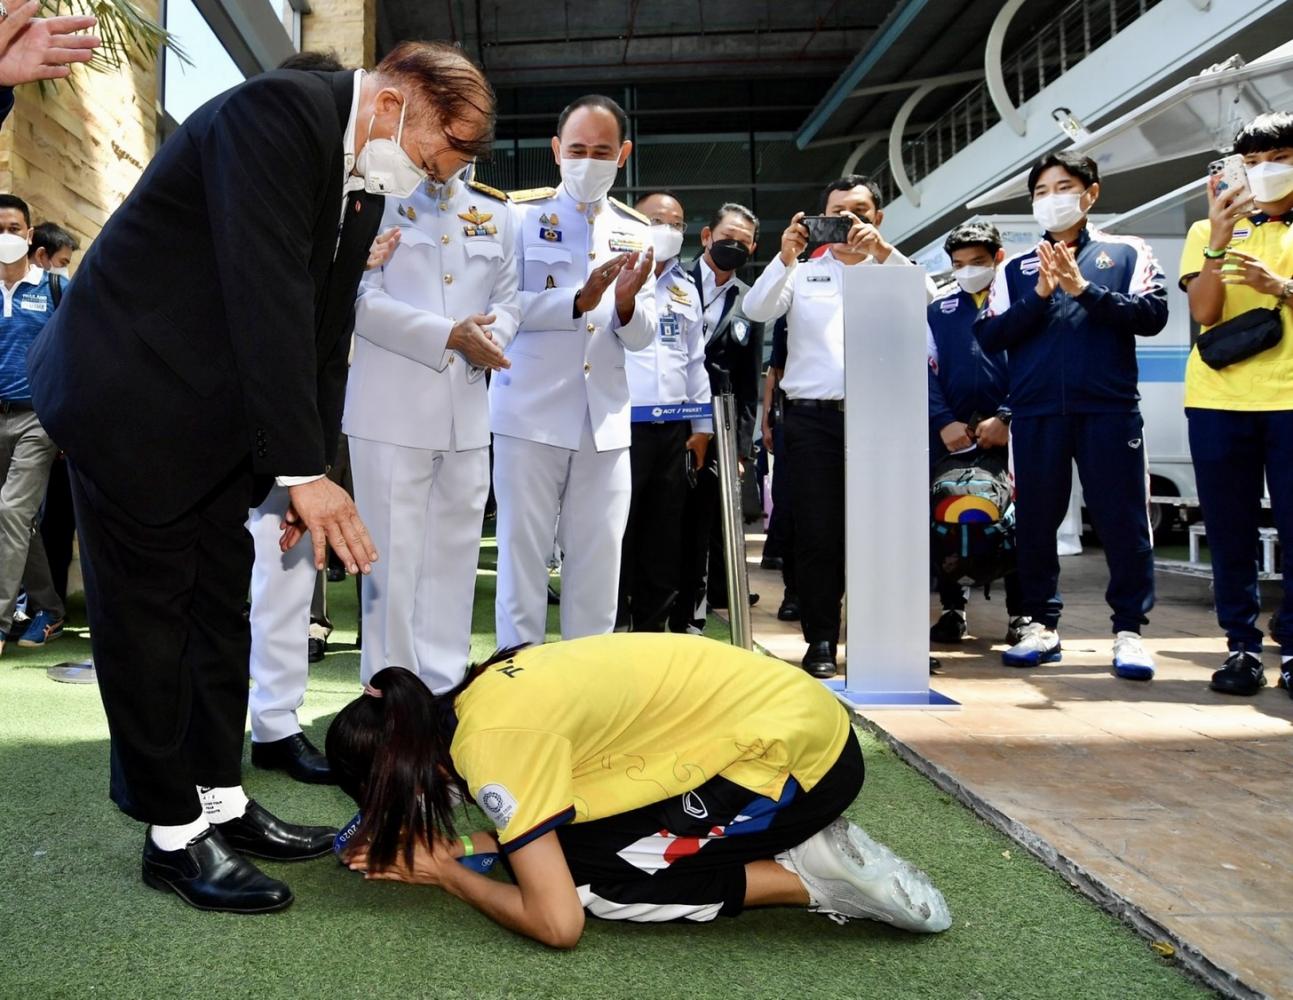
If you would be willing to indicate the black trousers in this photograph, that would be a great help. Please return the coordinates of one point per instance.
(781, 526)
(699, 525)
(650, 564)
(170, 643)
(815, 443)
(684, 858)
(58, 526)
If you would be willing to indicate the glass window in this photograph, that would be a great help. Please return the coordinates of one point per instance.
(212, 70)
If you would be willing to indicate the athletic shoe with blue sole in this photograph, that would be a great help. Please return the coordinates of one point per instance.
(1131, 661)
(1037, 645)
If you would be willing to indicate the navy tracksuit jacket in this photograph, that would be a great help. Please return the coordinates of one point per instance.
(1072, 370)
(964, 379)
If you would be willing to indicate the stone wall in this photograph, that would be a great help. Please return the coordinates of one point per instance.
(74, 152)
(348, 27)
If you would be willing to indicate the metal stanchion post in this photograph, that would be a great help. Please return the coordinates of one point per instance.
(729, 488)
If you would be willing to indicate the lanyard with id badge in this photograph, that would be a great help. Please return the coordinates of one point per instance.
(670, 329)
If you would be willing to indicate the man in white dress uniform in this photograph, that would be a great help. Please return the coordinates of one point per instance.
(560, 415)
(427, 327)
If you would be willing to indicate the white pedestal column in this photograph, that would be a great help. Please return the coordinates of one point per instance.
(887, 490)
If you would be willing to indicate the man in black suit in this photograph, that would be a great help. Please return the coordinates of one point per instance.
(733, 353)
(182, 385)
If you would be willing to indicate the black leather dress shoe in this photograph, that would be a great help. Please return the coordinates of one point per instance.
(789, 610)
(209, 875)
(261, 834)
(820, 660)
(317, 650)
(296, 755)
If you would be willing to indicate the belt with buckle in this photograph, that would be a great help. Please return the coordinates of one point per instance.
(817, 404)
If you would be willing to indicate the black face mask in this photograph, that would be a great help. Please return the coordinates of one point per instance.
(728, 255)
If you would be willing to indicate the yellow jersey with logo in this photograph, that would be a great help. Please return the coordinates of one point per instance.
(581, 730)
(1264, 381)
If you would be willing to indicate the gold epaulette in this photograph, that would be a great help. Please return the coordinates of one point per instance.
(630, 211)
(493, 192)
(531, 194)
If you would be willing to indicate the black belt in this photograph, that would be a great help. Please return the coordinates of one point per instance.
(816, 404)
(15, 406)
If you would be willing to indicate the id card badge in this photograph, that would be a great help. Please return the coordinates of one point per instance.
(670, 329)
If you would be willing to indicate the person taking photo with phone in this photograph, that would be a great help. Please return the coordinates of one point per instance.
(810, 294)
(1236, 268)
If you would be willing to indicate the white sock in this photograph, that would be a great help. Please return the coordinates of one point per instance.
(175, 838)
(223, 804)
(815, 899)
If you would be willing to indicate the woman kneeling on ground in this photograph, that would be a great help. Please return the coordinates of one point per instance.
(637, 776)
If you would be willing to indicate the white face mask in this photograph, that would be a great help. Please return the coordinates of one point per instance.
(60, 271)
(667, 242)
(974, 277)
(1058, 212)
(13, 248)
(587, 180)
(1270, 182)
(385, 167)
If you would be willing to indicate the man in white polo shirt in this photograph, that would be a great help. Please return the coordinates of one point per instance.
(810, 295)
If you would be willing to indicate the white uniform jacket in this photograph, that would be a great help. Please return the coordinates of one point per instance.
(455, 259)
(565, 366)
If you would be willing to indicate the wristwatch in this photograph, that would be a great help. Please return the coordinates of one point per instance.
(1004, 416)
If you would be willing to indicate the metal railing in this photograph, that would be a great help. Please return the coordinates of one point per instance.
(1076, 32)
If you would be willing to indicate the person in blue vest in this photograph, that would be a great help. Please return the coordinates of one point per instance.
(1068, 312)
(27, 301)
(968, 390)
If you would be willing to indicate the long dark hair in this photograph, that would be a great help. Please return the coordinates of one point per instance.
(390, 753)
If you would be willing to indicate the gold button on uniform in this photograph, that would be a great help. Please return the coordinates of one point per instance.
(448, 279)
(592, 254)
(445, 239)
(592, 327)
(587, 367)
(451, 357)
(443, 205)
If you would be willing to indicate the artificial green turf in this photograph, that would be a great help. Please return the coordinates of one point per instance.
(75, 920)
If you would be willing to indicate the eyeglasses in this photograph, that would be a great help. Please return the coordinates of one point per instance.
(677, 227)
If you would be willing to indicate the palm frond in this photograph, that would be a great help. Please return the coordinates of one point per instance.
(130, 38)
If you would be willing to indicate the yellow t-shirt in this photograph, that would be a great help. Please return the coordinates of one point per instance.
(1264, 381)
(596, 727)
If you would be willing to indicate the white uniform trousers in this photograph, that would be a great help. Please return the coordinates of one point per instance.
(590, 489)
(282, 588)
(424, 510)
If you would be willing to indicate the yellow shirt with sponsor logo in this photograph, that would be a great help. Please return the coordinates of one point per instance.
(581, 730)
(1264, 381)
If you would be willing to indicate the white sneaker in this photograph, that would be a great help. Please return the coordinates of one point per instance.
(1037, 644)
(1131, 661)
(1015, 628)
(847, 874)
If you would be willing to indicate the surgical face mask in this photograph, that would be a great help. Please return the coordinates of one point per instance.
(728, 255)
(384, 165)
(1058, 212)
(13, 248)
(1270, 182)
(60, 271)
(667, 241)
(587, 180)
(974, 277)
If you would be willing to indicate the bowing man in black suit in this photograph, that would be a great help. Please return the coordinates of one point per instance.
(183, 383)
